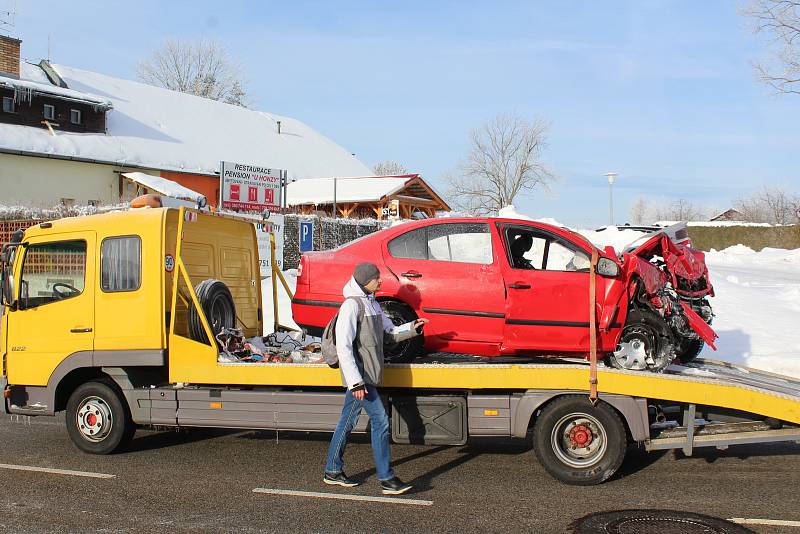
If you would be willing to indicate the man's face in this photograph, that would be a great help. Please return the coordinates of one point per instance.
(373, 286)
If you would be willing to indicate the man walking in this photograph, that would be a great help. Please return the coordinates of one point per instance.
(359, 346)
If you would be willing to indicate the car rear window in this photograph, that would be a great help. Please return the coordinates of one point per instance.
(456, 242)
(410, 245)
(459, 242)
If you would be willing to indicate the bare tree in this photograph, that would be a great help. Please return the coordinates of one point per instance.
(779, 20)
(770, 205)
(389, 168)
(679, 210)
(639, 211)
(202, 69)
(504, 161)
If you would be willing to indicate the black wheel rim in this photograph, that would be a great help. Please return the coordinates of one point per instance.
(219, 315)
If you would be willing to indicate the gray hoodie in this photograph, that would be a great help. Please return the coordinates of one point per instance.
(367, 366)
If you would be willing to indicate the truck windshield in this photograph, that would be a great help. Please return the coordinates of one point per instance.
(52, 272)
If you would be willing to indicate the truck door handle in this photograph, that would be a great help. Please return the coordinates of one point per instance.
(80, 330)
(411, 274)
(519, 285)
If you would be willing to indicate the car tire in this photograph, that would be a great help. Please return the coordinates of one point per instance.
(405, 351)
(98, 420)
(578, 443)
(647, 334)
(217, 304)
(690, 349)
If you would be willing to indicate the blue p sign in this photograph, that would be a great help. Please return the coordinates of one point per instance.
(306, 236)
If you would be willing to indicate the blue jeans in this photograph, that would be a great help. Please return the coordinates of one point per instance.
(380, 433)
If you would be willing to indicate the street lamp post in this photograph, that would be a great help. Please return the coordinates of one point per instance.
(611, 176)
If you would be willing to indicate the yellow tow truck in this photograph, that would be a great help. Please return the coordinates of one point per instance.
(112, 319)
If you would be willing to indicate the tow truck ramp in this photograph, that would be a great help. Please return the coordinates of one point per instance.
(700, 432)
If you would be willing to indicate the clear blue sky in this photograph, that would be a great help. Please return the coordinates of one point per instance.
(661, 92)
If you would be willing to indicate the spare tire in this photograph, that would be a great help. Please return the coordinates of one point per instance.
(217, 303)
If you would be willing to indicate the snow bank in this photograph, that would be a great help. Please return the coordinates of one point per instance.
(510, 212)
(619, 239)
(757, 307)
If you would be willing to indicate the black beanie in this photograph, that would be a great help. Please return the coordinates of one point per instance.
(365, 272)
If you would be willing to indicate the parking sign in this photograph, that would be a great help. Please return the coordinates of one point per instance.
(306, 236)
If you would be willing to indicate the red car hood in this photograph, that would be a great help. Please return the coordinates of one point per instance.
(682, 261)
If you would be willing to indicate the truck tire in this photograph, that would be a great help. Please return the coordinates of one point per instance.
(98, 420)
(578, 443)
(405, 351)
(217, 303)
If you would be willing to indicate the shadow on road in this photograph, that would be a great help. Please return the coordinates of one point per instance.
(161, 440)
(742, 452)
(636, 460)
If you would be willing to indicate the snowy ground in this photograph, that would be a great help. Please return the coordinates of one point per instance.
(757, 307)
(757, 303)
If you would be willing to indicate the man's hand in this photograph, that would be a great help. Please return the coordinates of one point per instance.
(360, 393)
(419, 323)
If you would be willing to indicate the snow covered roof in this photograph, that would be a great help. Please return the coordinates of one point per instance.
(360, 189)
(33, 81)
(156, 128)
(163, 186)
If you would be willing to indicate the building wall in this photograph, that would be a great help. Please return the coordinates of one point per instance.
(43, 182)
(31, 113)
(205, 185)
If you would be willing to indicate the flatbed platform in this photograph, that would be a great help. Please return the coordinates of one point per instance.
(703, 382)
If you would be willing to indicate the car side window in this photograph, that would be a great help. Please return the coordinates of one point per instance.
(411, 245)
(121, 264)
(52, 272)
(460, 242)
(525, 249)
(531, 249)
(563, 258)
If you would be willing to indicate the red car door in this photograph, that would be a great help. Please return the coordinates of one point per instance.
(547, 283)
(448, 273)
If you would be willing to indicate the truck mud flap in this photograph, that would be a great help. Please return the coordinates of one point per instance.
(434, 420)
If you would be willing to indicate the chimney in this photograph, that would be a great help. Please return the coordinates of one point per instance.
(9, 56)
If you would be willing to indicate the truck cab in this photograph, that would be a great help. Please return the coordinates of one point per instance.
(94, 297)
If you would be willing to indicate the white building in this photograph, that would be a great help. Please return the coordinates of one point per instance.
(66, 135)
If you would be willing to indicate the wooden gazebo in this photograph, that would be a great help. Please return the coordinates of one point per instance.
(365, 197)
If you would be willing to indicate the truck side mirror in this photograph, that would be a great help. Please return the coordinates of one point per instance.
(6, 285)
(7, 277)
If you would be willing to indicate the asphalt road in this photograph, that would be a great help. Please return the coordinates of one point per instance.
(204, 481)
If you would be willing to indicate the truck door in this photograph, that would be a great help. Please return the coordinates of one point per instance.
(54, 315)
(547, 285)
(449, 272)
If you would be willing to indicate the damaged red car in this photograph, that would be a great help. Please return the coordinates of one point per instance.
(496, 287)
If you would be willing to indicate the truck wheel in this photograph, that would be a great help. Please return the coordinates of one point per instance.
(578, 443)
(98, 421)
(405, 351)
(217, 303)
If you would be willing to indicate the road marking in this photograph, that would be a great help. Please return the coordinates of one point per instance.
(318, 495)
(56, 471)
(770, 522)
